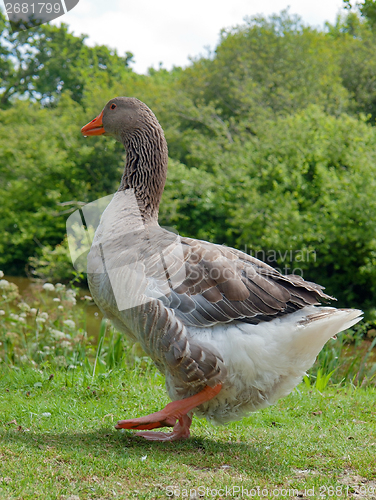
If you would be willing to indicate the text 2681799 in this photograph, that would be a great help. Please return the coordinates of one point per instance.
(32, 8)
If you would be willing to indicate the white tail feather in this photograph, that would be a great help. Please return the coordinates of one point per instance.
(318, 325)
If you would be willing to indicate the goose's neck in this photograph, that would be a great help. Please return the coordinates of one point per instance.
(146, 169)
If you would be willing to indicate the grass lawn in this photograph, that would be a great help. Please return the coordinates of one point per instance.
(57, 441)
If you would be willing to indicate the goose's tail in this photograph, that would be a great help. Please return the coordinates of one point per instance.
(313, 328)
(321, 323)
(338, 319)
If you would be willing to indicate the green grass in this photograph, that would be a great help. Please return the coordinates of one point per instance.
(57, 440)
(57, 436)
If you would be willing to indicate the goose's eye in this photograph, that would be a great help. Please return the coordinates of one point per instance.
(113, 106)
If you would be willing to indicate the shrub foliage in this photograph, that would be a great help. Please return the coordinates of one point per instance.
(271, 139)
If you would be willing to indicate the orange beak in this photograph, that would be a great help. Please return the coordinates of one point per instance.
(95, 127)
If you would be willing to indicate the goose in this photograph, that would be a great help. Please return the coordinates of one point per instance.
(230, 333)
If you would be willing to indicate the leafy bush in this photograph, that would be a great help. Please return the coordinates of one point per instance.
(270, 137)
(49, 329)
(299, 195)
(54, 264)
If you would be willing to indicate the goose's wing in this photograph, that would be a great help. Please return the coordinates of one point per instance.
(153, 271)
(211, 284)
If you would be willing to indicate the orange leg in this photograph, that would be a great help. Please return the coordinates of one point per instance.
(177, 410)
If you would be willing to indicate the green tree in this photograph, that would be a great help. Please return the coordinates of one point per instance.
(355, 43)
(367, 9)
(271, 144)
(305, 184)
(267, 67)
(49, 60)
(46, 167)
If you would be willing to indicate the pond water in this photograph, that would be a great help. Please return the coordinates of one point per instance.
(29, 290)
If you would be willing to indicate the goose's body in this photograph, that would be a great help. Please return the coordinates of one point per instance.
(230, 333)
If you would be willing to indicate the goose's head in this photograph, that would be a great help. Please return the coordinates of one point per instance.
(120, 118)
(131, 122)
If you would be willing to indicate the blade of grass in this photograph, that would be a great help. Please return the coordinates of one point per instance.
(102, 334)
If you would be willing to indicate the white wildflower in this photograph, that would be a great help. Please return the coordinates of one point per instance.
(57, 334)
(40, 320)
(59, 287)
(70, 323)
(15, 317)
(65, 344)
(1, 274)
(21, 319)
(56, 299)
(23, 359)
(71, 294)
(44, 315)
(23, 315)
(61, 308)
(2, 313)
(47, 348)
(60, 361)
(4, 284)
(49, 287)
(33, 310)
(87, 297)
(45, 414)
(24, 307)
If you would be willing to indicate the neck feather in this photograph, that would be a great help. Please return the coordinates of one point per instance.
(146, 168)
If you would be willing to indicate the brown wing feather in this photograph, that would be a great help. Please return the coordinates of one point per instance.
(224, 284)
